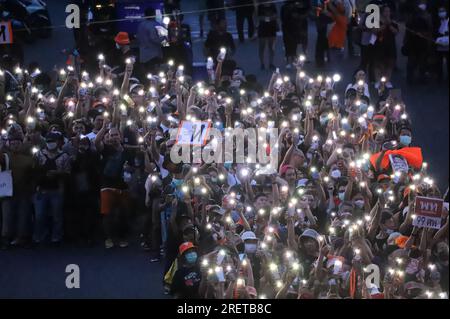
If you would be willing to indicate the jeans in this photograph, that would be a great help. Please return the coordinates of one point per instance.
(16, 216)
(241, 15)
(367, 60)
(441, 59)
(321, 47)
(48, 202)
(165, 219)
(336, 58)
(115, 211)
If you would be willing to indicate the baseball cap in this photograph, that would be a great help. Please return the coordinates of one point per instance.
(310, 233)
(248, 235)
(122, 38)
(185, 246)
(53, 136)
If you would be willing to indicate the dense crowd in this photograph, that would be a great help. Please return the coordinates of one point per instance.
(86, 153)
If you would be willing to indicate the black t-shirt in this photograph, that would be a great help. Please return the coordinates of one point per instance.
(294, 18)
(113, 162)
(186, 282)
(217, 40)
(85, 172)
(268, 23)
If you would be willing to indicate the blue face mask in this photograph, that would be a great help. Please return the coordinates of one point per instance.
(405, 140)
(346, 126)
(363, 107)
(220, 126)
(227, 165)
(341, 196)
(191, 257)
(324, 120)
(177, 182)
(365, 166)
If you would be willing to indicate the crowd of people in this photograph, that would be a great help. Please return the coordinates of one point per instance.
(86, 154)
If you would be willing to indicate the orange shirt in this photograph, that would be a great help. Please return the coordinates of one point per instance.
(336, 37)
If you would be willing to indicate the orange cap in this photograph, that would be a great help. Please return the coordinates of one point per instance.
(122, 38)
(185, 246)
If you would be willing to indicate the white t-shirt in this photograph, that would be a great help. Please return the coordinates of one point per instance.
(164, 172)
(355, 86)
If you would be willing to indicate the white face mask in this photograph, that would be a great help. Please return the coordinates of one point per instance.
(359, 203)
(336, 174)
(126, 177)
(250, 248)
(52, 146)
(422, 6)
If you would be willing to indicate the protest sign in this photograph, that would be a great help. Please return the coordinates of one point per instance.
(398, 163)
(6, 33)
(428, 211)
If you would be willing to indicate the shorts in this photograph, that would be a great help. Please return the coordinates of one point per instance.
(111, 198)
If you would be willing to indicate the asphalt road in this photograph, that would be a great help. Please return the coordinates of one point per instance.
(127, 273)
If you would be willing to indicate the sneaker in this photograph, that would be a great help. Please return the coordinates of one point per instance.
(17, 242)
(109, 243)
(123, 244)
(166, 289)
(145, 246)
(155, 259)
(4, 245)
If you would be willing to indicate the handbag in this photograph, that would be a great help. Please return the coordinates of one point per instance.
(6, 181)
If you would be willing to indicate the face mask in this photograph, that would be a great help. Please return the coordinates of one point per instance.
(52, 146)
(253, 104)
(214, 179)
(126, 177)
(336, 174)
(177, 182)
(346, 126)
(220, 126)
(250, 248)
(359, 203)
(405, 140)
(442, 14)
(369, 115)
(41, 115)
(191, 258)
(117, 46)
(363, 108)
(341, 196)
(422, 6)
(324, 120)
(227, 165)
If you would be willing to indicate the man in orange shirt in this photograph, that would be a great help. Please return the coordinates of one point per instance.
(336, 38)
